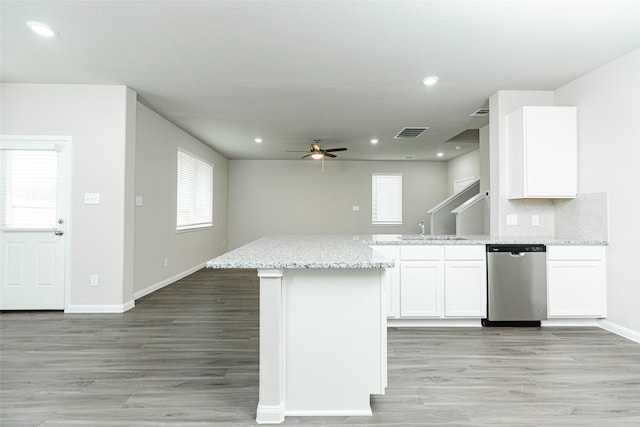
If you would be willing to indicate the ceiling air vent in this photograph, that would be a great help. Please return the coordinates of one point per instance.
(411, 133)
(480, 112)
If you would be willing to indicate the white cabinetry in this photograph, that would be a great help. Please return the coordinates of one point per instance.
(465, 281)
(576, 281)
(542, 152)
(421, 281)
(443, 281)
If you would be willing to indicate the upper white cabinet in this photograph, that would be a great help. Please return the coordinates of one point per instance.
(542, 153)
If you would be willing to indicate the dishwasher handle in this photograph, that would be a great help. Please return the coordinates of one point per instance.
(516, 248)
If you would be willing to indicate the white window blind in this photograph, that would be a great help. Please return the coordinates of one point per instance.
(195, 192)
(386, 199)
(29, 188)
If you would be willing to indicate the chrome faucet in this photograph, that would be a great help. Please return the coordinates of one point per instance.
(421, 225)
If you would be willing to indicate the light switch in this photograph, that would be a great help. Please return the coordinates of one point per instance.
(512, 219)
(91, 198)
(535, 220)
(138, 200)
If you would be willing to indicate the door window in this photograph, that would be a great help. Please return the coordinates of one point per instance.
(28, 190)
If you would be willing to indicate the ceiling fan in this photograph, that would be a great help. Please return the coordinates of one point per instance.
(318, 152)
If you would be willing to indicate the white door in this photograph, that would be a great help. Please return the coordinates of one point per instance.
(33, 193)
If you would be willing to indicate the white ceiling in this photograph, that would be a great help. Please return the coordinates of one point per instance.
(340, 71)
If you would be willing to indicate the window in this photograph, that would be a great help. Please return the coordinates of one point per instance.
(195, 192)
(29, 188)
(386, 198)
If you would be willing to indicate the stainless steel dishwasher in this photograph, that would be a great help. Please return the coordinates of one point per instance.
(517, 285)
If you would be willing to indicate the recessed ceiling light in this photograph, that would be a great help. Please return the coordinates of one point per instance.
(440, 154)
(430, 81)
(41, 29)
(374, 141)
(458, 147)
(258, 140)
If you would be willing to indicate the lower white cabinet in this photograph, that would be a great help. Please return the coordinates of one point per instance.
(465, 289)
(442, 281)
(576, 282)
(465, 272)
(421, 292)
(450, 281)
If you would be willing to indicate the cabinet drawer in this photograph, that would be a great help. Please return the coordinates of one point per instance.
(421, 252)
(564, 253)
(465, 252)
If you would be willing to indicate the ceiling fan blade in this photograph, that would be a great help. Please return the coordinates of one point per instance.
(329, 154)
(304, 157)
(335, 149)
(297, 151)
(315, 147)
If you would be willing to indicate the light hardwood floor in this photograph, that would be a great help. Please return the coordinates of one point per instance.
(187, 355)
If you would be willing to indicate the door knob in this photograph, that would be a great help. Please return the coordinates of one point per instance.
(58, 232)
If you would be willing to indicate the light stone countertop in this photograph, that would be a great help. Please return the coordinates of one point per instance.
(347, 251)
(416, 239)
(302, 251)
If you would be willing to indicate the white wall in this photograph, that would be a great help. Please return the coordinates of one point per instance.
(271, 197)
(608, 101)
(461, 167)
(99, 120)
(157, 141)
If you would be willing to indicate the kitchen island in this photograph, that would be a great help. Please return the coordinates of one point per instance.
(323, 343)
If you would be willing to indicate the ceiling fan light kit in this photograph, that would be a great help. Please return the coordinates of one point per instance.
(318, 152)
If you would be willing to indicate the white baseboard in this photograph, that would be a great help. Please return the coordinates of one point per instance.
(270, 414)
(330, 413)
(619, 330)
(99, 308)
(434, 323)
(568, 322)
(168, 281)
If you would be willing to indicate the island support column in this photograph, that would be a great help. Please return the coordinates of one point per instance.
(271, 405)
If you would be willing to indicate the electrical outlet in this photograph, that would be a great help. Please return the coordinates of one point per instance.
(166, 262)
(512, 219)
(355, 208)
(535, 220)
(138, 200)
(91, 198)
(95, 280)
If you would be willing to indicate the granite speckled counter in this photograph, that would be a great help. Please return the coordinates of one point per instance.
(416, 239)
(302, 251)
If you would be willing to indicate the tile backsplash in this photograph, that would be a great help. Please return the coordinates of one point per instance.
(585, 217)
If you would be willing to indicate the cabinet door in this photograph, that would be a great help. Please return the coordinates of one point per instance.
(465, 289)
(421, 293)
(542, 152)
(576, 289)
